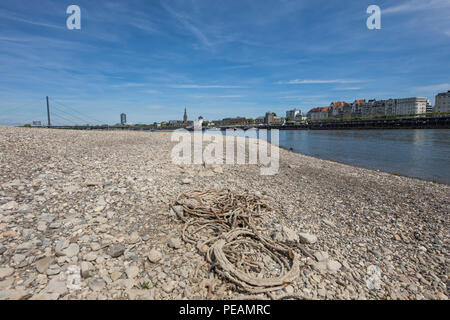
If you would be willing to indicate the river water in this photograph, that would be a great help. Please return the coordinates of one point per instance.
(420, 153)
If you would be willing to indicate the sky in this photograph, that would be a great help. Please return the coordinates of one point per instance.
(152, 58)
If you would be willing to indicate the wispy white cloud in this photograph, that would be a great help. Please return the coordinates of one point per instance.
(347, 88)
(130, 85)
(231, 96)
(329, 81)
(36, 23)
(196, 86)
(185, 21)
(416, 5)
(434, 88)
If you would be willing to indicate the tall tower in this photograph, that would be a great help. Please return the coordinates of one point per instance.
(185, 116)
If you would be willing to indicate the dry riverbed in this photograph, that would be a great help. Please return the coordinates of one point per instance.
(96, 205)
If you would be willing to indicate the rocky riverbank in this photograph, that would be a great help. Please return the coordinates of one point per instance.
(85, 215)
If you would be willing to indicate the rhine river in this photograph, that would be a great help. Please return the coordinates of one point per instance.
(419, 153)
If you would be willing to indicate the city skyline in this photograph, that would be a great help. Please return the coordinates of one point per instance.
(243, 59)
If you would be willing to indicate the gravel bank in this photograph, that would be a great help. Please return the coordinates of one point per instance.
(96, 204)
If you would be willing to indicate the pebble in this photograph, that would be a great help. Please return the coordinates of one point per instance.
(96, 284)
(186, 181)
(175, 243)
(6, 272)
(72, 250)
(116, 250)
(43, 264)
(307, 238)
(85, 269)
(154, 256)
(132, 272)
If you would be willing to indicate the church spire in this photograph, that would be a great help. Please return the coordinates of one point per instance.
(185, 116)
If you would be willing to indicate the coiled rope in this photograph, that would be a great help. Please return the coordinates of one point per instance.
(224, 227)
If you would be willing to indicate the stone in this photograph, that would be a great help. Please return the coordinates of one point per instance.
(218, 169)
(91, 256)
(5, 284)
(60, 246)
(56, 286)
(42, 226)
(6, 272)
(93, 183)
(320, 266)
(72, 250)
(321, 255)
(73, 277)
(95, 246)
(13, 294)
(53, 270)
(373, 281)
(18, 258)
(99, 208)
(96, 284)
(43, 264)
(333, 265)
(24, 247)
(169, 287)
(2, 250)
(154, 256)
(116, 250)
(116, 275)
(307, 238)
(134, 238)
(85, 269)
(175, 243)
(289, 234)
(46, 296)
(186, 181)
(132, 272)
(11, 205)
(289, 290)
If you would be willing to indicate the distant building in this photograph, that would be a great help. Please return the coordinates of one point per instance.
(429, 107)
(269, 118)
(234, 121)
(259, 120)
(442, 102)
(411, 106)
(123, 119)
(185, 117)
(36, 124)
(198, 125)
(357, 107)
(292, 114)
(318, 113)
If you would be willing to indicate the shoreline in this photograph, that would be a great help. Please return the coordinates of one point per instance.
(397, 174)
(99, 201)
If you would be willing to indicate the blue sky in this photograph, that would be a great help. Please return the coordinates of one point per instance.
(152, 58)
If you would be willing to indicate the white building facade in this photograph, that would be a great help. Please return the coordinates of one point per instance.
(411, 106)
(442, 102)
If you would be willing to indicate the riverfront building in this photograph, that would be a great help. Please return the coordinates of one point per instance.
(123, 119)
(411, 106)
(442, 102)
(269, 118)
(318, 113)
(373, 107)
